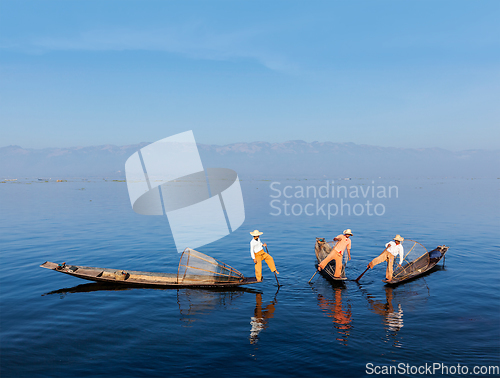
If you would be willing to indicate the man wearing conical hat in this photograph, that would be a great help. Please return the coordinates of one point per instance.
(343, 243)
(258, 254)
(392, 249)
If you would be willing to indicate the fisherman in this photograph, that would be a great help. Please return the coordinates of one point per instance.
(343, 242)
(258, 254)
(392, 249)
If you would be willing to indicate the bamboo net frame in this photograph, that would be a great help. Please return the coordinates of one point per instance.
(197, 267)
(415, 261)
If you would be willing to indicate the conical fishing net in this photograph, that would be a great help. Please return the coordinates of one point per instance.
(198, 268)
(322, 250)
(416, 259)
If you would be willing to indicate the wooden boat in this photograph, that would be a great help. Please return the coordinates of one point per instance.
(195, 270)
(322, 250)
(419, 266)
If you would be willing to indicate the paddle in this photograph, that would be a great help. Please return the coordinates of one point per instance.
(275, 275)
(313, 276)
(357, 279)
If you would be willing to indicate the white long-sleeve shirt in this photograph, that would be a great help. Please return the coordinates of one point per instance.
(395, 250)
(255, 246)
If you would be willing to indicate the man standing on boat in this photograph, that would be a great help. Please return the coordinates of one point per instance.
(392, 249)
(343, 242)
(258, 254)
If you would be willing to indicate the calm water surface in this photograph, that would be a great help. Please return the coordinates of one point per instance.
(53, 325)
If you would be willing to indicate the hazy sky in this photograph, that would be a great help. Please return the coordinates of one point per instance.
(401, 73)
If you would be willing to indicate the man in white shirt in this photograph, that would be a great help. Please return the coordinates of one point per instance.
(258, 254)
(392, 249)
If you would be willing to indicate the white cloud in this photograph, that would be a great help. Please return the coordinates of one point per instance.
(192, 41)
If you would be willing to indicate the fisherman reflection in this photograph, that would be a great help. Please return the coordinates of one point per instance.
(341, 317)
(392, 313)
(261, 317)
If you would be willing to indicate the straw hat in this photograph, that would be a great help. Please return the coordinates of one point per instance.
(399, 238)
(348, 232)
(256, 233)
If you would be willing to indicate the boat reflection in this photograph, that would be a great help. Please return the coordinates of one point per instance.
(89, 287)
(192, 303)
(340, 313)
(196, 303)
(259, 321)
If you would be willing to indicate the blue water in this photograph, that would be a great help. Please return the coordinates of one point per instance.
(54, 325)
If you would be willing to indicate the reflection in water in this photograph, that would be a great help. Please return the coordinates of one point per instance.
(411, 295)
(261, 317)
(393, 314)
(86, 288)
(342, 317)
(192, 302)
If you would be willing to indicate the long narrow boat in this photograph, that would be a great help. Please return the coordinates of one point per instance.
(413, 268)
(322, 249)
(195, 270)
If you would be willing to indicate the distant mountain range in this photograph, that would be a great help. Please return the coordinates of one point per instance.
(292, 159)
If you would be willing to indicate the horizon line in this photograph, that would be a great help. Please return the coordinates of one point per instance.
(255, 142)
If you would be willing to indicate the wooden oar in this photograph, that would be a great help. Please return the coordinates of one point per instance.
(275, 275)
(357, 279)
(312, 276)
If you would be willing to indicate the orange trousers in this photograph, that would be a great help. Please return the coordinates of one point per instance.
(384, 256)
(334, 255)
(259, 256)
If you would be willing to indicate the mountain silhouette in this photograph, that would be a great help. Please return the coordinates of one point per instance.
(263, 160)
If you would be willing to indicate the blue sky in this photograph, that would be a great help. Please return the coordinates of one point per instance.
(388, 73)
